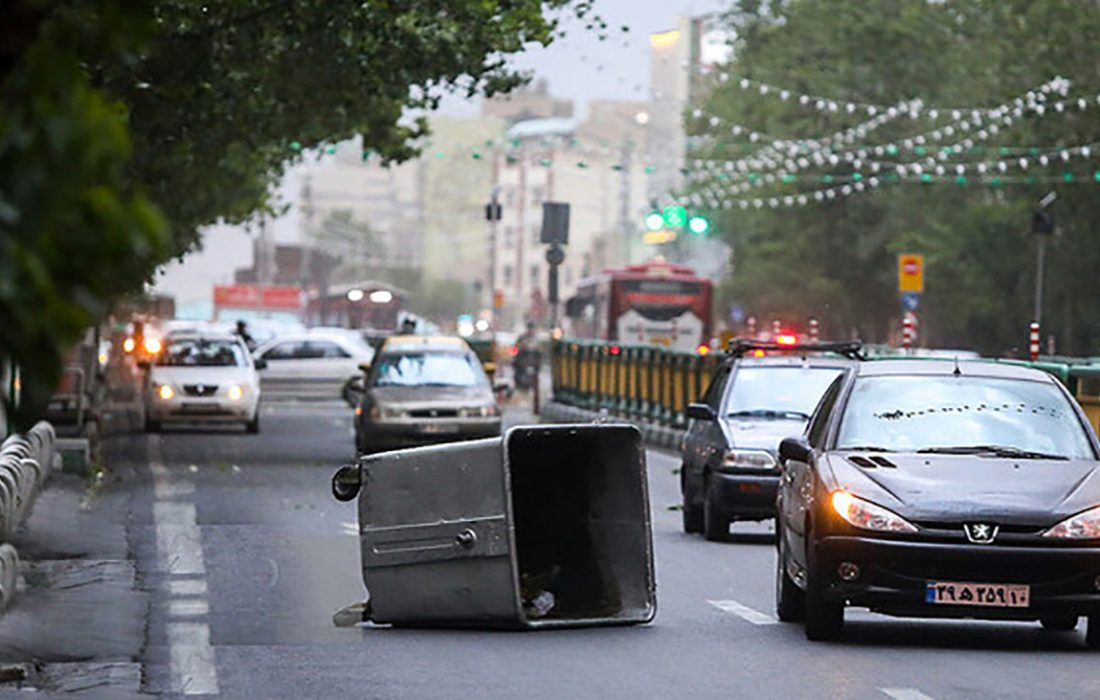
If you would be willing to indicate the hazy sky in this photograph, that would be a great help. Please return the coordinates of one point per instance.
(580, 67)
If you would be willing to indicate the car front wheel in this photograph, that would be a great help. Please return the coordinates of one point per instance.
(716, 525)
(1092, 635)
(790, 603)
(824, 617)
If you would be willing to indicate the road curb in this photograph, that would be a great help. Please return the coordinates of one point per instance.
(659, 436)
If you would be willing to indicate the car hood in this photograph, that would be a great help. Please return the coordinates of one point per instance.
(413, 397)
(762, 433)
(963, 488)
(202, 375)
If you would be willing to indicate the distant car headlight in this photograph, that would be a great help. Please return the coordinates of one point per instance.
(487, 411)
(1083, 526)
(153, 346)
(236, 392)
(165, 392)
(867, 516)
(747, 459)
(383, 413)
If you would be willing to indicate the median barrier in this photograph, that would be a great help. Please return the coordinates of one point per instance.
(547, 526)
(26, 461)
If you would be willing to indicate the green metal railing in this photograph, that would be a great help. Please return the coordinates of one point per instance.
(655, 385)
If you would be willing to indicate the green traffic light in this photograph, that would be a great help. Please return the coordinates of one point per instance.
(675, 216)
(654, 221)
(698, 225)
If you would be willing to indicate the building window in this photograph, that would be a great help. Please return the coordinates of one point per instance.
(509, 237)
(536, 280)
(536, 233)
(507, 274)
(536, 196)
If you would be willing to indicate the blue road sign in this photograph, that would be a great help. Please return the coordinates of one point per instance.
(910, 301)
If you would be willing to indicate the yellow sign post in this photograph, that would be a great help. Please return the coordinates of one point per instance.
(911, 273)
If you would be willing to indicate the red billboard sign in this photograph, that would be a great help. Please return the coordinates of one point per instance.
(255, 296)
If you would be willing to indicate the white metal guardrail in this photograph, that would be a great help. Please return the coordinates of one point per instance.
(26, 461)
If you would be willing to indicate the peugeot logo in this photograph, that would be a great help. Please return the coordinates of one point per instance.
(980, 533)
(200, 389)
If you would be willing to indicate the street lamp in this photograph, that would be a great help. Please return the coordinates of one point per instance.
(381, 296)
(355, 295)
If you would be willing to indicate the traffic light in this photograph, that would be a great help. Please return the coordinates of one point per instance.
(698, 225)
(654, 221)
(675, 216)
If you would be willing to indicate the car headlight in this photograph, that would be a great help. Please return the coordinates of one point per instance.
(236, 392)
(382, 413)
(487, 411)
(867, 516)
(1083, 526)
(165, 392)
(747, 459)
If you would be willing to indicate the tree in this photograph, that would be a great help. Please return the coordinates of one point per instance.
(835, 259)
(109, 108)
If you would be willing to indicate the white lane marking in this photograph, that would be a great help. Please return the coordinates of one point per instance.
(744, 612)
(165, 490)
(905, 694)
(179, 542)
(188, 608)
(185, 587)
(191, 658)
(192, 666)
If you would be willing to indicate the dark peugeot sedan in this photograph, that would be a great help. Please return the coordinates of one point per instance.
(729, 469)
(941, 489)
(422, 390)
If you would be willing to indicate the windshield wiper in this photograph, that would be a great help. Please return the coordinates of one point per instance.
(767, 413)
(996, 450)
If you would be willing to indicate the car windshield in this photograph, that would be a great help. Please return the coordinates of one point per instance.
(962, 415)
(201, 352)
(778, 392)
(429, 369)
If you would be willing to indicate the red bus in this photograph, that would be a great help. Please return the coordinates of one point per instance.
(655, 303)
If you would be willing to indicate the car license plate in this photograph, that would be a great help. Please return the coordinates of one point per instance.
(992, 595)
(437, 428)
(200, 408)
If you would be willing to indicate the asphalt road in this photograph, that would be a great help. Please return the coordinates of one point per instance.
(247, 556)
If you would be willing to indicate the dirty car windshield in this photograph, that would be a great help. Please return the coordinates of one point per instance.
(192, 352)
(429, 369)
(767, 391)
(949, 414)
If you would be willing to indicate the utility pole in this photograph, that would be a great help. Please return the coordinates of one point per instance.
(626, 229)
(493, 213)
(1042, 226)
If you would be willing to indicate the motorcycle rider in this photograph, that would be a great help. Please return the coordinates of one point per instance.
(527, 358)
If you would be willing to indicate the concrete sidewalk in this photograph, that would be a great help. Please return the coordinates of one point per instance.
(78, 625)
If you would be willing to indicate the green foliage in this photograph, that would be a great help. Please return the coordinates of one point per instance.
(836, 260)
(110, 107)
(74, 235)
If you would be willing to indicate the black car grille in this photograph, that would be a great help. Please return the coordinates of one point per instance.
(200, 389)
(434, 413)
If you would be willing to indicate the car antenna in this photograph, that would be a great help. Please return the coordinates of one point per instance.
(957, 372)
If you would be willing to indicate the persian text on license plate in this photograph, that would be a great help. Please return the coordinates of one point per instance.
(438, 428)
(993, 595)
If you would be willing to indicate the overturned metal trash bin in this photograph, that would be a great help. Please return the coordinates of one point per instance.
(548, 526)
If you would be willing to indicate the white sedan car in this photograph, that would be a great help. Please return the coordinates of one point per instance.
(202, 378)
(312, 365)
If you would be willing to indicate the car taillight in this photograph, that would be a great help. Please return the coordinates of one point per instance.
(703, 349)
(786, 339)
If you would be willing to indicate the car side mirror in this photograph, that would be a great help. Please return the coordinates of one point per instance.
(260, 363)
(795, 449)
(701, 411)
(346, 482)
(365, 366)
